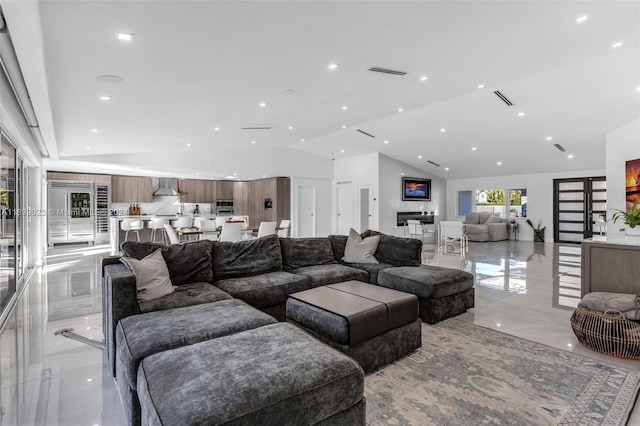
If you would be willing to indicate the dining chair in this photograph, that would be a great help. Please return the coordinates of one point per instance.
(415, 228)
(131, 225)
(183, 222)
(452, 233)
(285, 228)
(243, 219)
(171, 233)
(209, 229)
(231, 232)
(220, 220)
(157, 226)
(266, 228)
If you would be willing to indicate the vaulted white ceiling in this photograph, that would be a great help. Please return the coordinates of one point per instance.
(194, 66)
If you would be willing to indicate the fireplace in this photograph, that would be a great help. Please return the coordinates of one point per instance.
(424, 218)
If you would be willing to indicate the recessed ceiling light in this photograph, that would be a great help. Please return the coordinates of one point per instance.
(235, 174)
(253, 141)
(400, 109)
(105, 98)
(521, 114)
(290, 127)
(125, 36)
(301, 140)
(188, 144)
(474, 148)
(424, 78)
(480, 86)
(344, 126)
(342, 150)
(638, 89)
(499, 163)
(263, 104)
(197, 174)
(386, 141)
(570, 156)
(264, 175)
(333, 66)
(549, 138)
(446, 168)
(443, 130)
(616, 44)
(88, 148)
(217, 129)
(419, 156)
(582, 19)
(94, 130)
(344, 107)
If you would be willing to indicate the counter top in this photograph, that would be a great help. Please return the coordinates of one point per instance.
(623, 240)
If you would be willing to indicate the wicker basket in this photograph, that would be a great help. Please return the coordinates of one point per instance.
(608, 333)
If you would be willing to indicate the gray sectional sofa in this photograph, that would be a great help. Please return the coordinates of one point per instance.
(261, 273)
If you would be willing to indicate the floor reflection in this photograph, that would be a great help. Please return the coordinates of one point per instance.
(522, 288)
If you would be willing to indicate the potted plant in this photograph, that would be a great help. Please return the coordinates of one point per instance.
(631, 219)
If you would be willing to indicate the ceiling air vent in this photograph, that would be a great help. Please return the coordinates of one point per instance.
(387, 71)
(503, 97)
(256, 128)
(435, 164)
(365, 133)
(560, 147)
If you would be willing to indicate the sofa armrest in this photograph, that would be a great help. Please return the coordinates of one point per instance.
(119, 300)
(498, 231)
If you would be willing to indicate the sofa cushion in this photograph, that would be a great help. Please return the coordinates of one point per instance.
(476, 229)
(247, 257)
(152, 276)
(426, 281)
(483, 216)
(185, 295)
(338, 243)
(471, 218)
(360, 250)
(187, 262)
(493, 219)
(265, 290)
(397, 251)
(272, 375)
(301, 252)
(329, 274)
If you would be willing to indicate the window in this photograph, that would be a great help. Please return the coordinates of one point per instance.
(518, 202)
(491, 200)
(465, 203)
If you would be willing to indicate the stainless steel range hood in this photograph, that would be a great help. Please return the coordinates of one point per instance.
(167, 186)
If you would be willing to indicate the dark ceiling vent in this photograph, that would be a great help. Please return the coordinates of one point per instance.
(365, 133)
(503, 97)
(256, 128)
(435, 164)
(560, 147)
(387, 71)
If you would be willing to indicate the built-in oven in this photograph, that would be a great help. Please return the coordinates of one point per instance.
(224, 207)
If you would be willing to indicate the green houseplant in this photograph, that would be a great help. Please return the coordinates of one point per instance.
(631, 218)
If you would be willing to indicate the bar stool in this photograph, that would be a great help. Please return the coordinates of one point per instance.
(157, 224)
(131, 225)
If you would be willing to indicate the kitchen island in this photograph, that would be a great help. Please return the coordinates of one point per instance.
(611, 264)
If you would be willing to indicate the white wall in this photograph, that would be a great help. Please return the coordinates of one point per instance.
(539, 196)
(622, 144)
(323, 204)
(359, 170)
(390, 201)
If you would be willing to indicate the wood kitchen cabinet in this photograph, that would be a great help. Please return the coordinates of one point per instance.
(131, 189)
(225, 189)
(253, 196)
(197, 191)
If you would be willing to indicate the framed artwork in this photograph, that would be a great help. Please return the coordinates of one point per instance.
(416, 189)
(632, 179)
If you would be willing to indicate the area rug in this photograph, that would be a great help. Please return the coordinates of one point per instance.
(470, 375)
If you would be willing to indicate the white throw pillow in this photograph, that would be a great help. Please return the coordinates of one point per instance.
(152, 276)
(359, 250)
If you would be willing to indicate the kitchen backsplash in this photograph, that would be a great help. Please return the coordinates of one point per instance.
(163, 205)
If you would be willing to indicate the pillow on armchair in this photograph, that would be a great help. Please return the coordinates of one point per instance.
(471, 219)
(493, 219)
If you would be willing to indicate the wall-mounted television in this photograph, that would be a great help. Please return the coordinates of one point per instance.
(416, 189)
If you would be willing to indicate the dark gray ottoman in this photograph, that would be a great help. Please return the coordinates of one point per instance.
(138, 336)
(272, 375)
(442, 292)
(372, 324)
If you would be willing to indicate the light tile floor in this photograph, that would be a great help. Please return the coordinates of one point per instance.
(524, 289)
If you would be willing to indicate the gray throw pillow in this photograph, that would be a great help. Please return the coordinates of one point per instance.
(360, 250)
(152, 276)
(493, 219)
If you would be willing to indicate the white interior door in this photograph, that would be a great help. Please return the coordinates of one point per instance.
(305, 222)
(365, 207)
(344, 208)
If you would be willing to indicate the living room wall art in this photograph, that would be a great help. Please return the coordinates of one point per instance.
(632, 182)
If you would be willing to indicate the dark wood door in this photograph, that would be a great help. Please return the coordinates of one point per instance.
(577, 205)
